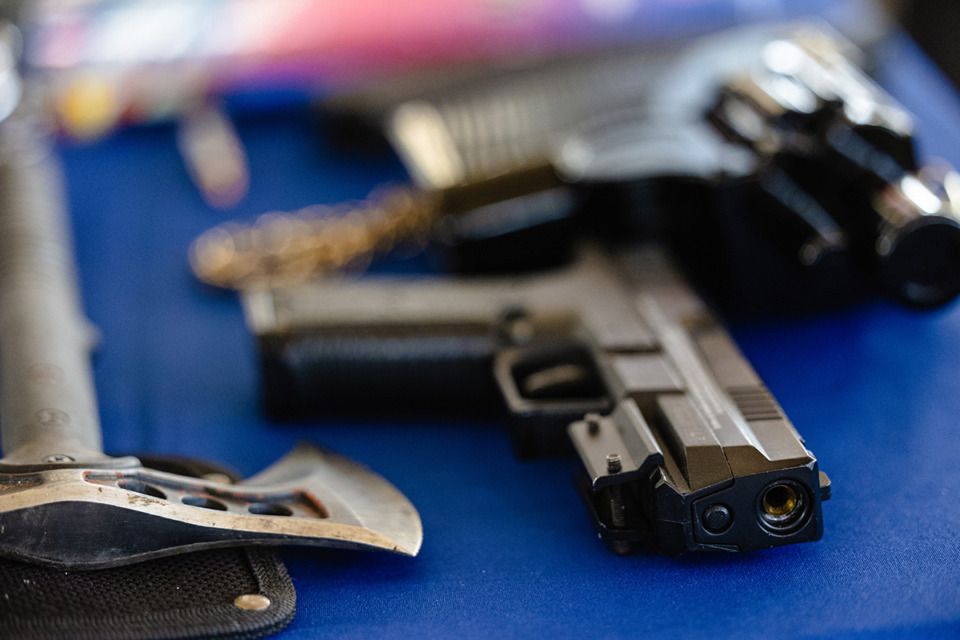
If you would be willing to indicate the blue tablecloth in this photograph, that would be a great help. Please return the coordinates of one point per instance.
(509, 550)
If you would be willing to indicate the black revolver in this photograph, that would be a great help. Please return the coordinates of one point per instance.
(683, 446)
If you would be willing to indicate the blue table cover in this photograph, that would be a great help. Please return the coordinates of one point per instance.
(509, 551)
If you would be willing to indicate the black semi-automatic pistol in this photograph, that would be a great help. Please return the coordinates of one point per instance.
(683, 446)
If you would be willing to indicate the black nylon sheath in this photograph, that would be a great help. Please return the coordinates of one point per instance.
(188, 596)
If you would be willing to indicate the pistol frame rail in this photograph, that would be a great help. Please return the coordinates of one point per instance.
(683, 446)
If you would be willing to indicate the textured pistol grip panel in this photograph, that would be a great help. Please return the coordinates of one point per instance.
(308, 373)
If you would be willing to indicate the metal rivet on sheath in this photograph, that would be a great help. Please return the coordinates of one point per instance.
(252, 602)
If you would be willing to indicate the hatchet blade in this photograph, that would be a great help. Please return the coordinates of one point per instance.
(87, 518)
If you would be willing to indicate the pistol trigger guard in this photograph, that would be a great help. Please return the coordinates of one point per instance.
(548, 373)
(570, 388)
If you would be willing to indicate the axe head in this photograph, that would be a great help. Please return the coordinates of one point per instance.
(106, 515)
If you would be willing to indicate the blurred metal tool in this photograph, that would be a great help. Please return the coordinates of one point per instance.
(282, 249)
(213, 155)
